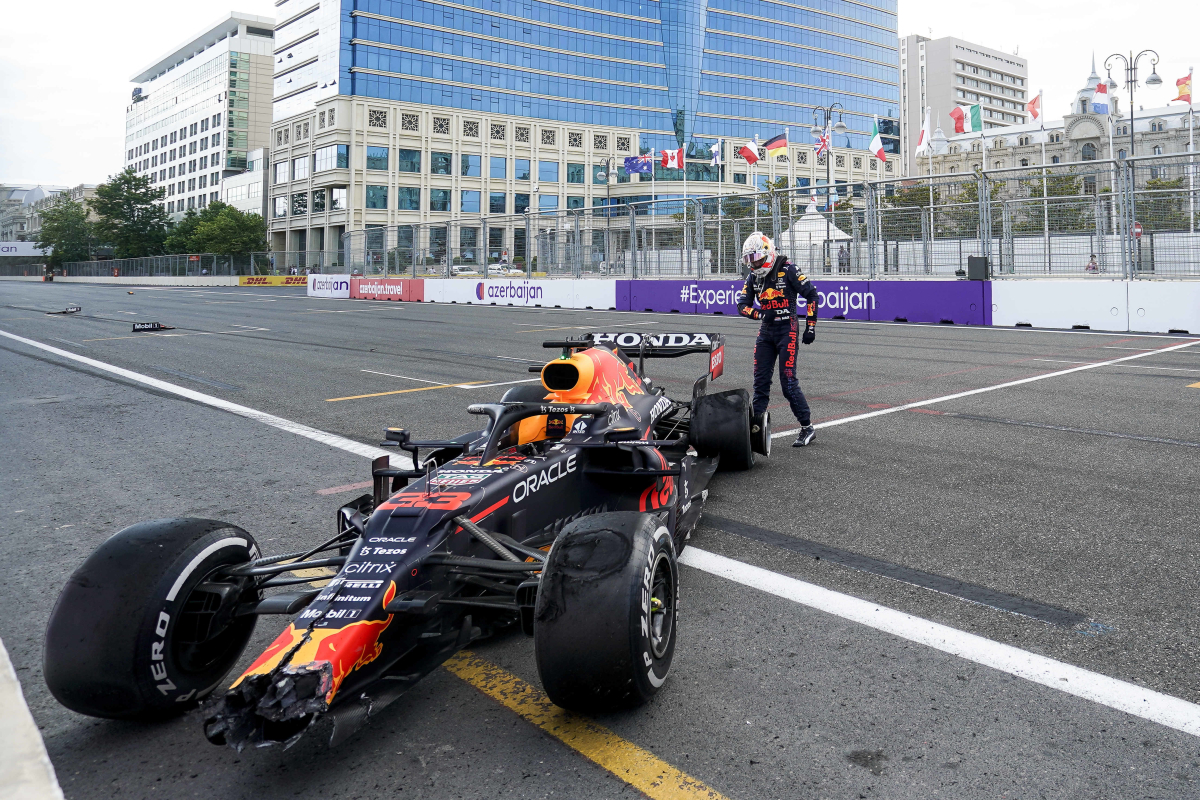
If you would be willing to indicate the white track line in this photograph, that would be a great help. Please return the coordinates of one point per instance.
(1130, 698)
(982, 390)
(331, 439)
(1154, 706)
(25, 768)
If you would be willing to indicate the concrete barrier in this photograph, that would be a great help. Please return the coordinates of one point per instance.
(409, 290)
(567, 293)
(198, 280)
(1095, 305)
(1164, 306)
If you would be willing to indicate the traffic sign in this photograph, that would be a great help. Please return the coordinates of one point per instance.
(1137, 230)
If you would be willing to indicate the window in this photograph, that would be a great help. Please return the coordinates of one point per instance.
(202, 181)
(520, 203)
(408, 198)
(410, 122)
(439, 199)
(1089, 152)
(318, 201)
(623, 143)
(1158, 151)
(192, 130)
(470, 129)
(337, 196)
(321, 120)
(470, 202)
(574, 139)
(408, 160)
(1121, 154)
(548, 171)
(299, 204)
(1024, 162)
(192, 148)
(549, 136)
(739, 177)
(1054, 159)
(470, 166)
(497, 203)
(216, 139)
(281, 172)
(377, 197)
(441, 125)
(521, 172)
(440, 164)
(335, 156)
(521, 134)
(498, 167)
(279, 207)
(331, 117)
(622, 175)
(599, 141)
(574, 201)
(172, 139)
(377, 158)
(575, 173)
(376, 119)
(299, 168)
(547, 202)
(498, 132)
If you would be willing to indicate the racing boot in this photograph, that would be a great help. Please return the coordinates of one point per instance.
(807, 434)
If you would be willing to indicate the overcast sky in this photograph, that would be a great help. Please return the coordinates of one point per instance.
(65, 67)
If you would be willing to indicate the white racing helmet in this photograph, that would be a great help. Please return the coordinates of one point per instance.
(758, 252)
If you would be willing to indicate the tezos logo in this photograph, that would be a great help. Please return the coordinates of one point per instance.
(544, 478)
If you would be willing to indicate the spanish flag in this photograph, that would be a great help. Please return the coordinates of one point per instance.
(777, 145)
(1185, 88)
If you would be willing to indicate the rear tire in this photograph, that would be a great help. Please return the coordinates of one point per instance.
(760, 434)
(604, 623)
(131, 637)
(721, 425)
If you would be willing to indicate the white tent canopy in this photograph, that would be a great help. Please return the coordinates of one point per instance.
(810, 229)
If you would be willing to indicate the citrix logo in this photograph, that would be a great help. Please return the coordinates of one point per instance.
(842, 299)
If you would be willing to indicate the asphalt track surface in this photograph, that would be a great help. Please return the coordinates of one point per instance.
(1058, 516)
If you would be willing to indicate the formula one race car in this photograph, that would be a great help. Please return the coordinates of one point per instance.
(562, 516)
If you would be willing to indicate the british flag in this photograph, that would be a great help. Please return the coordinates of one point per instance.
(824, 142)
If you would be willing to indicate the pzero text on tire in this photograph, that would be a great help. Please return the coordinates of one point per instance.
(145, 628)
(604, 625)
(720, 426)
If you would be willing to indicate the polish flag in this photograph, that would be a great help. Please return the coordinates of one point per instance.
(749, 151)
(673, 159)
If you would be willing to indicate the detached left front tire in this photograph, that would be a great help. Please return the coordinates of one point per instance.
(144, 629)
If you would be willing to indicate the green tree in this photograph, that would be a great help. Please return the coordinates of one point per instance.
(230, 232)
(901, 212)
(130, 219)
(179, 234)
(219, 228)
(66, 229)
(1163, 205)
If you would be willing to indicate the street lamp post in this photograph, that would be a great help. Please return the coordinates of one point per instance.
(1131, 80)
(817, 131)
(610, 175)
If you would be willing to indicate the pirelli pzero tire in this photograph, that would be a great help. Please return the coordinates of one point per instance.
(143, 630)
(721, 426)
(604, 623)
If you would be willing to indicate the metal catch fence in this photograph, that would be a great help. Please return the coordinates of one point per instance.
(1127, 218)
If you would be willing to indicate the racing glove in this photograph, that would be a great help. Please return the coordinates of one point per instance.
(810, 323)
(751, 312)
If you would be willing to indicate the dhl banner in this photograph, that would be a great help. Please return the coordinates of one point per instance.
(273, 280)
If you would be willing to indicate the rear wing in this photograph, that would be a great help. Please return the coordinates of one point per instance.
(660, 345)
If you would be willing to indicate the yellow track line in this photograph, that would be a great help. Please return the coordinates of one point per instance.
(640, 768)
(403, 391)
(1194, 385)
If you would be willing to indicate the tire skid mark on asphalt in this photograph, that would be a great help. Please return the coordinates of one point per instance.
(634, 765)
(961, 590)
(983, 389)
(1130, 698)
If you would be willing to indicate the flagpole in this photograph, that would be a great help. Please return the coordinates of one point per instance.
(1045, 208)
(1191, 157)
(929, 153)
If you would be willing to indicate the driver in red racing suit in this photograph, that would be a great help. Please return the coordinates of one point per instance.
(776, 284)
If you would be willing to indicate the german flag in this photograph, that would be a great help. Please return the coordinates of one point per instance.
(777, 145)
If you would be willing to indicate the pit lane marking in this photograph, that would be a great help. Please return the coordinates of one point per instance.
(1138, 701)
(983, 389)
(1164, 709)
(634, 765)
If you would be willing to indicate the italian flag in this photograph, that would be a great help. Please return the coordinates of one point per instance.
(877, 143)
(968, 119)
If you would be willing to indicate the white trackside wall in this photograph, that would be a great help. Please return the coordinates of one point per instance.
(1140, 306)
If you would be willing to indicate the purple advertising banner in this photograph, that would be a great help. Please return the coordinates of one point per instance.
(961, 302)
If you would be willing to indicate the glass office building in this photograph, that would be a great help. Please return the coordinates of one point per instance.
(679, 71)
(388, 112)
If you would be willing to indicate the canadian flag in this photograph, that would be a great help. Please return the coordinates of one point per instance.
(673, 159)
